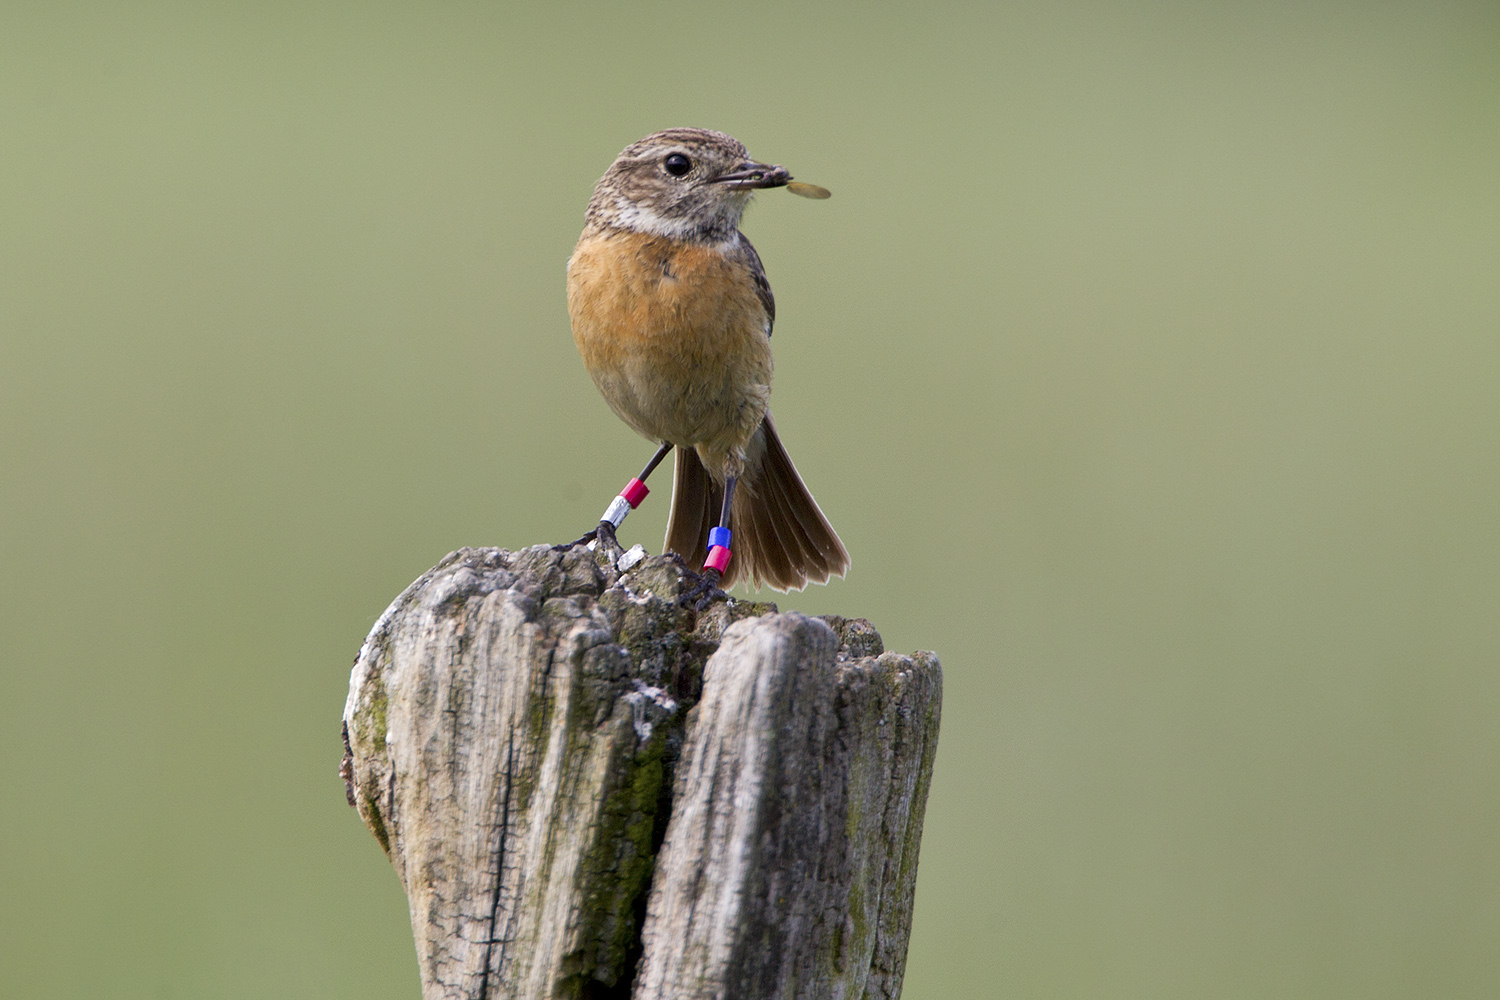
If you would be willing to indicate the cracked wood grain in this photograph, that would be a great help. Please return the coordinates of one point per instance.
(790, 860)
(588, 791)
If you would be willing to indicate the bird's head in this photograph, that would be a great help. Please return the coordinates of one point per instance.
(683, 183)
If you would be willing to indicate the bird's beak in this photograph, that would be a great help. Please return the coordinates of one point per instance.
(754, 175)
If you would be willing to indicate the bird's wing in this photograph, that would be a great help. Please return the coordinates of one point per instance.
(744, 250)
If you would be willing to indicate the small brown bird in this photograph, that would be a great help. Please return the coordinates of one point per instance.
(672, 313)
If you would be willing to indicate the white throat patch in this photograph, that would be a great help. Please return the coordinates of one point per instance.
(642, 219)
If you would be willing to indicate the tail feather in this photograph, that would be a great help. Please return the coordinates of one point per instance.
(781, 538)
(768, 553)
(824, 554)
(791, 538)
(809, 531)
(696, 500)
(820, 542)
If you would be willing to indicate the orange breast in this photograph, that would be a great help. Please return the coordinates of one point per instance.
(674, 336)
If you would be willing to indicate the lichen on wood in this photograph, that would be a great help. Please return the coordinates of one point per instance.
(521, 726)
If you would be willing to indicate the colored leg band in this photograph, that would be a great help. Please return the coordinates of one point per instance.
(615, 513)
(629, 499)
(634, 492)
(718, 536)
(718, 558)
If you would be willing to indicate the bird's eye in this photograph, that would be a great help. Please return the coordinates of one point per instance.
(677, 164)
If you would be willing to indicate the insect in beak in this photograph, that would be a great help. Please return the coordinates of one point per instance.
(755, 175)
(809, 190)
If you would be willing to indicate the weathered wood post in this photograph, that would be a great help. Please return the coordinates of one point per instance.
(589, 791)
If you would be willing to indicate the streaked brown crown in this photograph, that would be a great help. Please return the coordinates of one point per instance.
(640, 193)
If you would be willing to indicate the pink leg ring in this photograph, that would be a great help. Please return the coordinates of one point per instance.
(718, 558)
(634, 492)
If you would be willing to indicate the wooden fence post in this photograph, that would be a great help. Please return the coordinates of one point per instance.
(588, 791)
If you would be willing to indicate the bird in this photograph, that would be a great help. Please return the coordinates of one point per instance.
(672, 314)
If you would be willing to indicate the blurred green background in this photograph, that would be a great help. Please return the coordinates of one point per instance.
(1147, 358)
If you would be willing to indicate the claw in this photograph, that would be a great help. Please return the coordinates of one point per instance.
(704, 591)
(565, 546)
(602, 536)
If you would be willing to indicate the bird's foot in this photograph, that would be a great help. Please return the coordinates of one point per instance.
(565, 546)
(602, 538)
(704, 591)
(605, 541)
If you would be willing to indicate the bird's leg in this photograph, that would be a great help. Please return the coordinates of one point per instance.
(705, 590)
(614, 515)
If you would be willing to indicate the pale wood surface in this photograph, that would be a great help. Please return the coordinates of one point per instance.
(522, 735)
